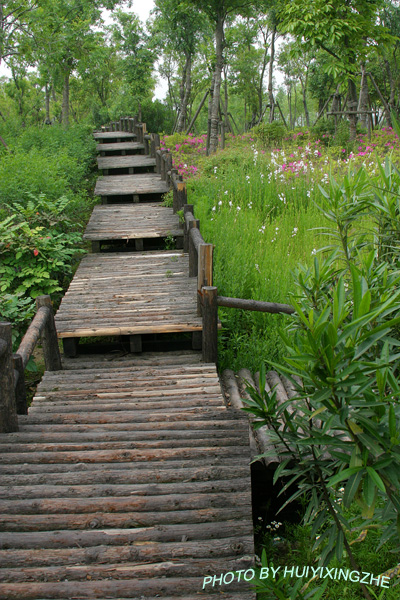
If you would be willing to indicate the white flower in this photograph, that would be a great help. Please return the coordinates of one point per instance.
(215, 169)
(226, 192)
(230, 202)
(238, 208)
(314, 252)
(213, 208)
(220, 203)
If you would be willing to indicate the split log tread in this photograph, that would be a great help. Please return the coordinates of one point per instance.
(113, 135)
(137, 221)
(127, 185)
(143, 507)
(117, 147)
(124, 293)
(125, 162)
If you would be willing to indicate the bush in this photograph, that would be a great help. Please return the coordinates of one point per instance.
(269, 133)
(323, 130)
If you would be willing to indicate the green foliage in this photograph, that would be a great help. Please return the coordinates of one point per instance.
(269, 133)
(43, 203)
(47, 160)
(36, 247)
(342, 428)
(323, 129)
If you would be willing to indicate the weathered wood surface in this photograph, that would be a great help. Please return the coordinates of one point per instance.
(143, 507)
(126, 185)
(113, 135)
(125, 162)
(132, 222)
(121, 147)
(123, 294)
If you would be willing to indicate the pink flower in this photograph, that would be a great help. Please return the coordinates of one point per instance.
(35, 252)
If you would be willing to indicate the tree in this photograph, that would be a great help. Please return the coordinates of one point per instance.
(14, 26)
(137, 57)
(181, 27)
(347, 30)
(218, 11)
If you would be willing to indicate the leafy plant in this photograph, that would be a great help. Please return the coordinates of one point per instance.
(269, 133)
(342, 428)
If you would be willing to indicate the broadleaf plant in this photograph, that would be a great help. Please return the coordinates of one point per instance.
(339, 438)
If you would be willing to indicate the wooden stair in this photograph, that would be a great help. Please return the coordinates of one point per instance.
(125, 481)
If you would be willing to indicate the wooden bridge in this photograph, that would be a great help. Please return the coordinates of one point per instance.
(128, 477)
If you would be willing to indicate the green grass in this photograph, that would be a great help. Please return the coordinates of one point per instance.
(289, 545)
(261, 228)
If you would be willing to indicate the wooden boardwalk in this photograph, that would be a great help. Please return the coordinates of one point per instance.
(126, 480)
(118, 136)
(140, 185)
(129, 478)
(134, 163)
(132, 222)
(129, 293)
(121, 147)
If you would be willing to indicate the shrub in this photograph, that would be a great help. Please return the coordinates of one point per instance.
(269, 133)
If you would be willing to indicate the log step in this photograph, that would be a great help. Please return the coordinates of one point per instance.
(125, 481)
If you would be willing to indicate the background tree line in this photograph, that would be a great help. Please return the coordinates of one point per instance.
(68, 64)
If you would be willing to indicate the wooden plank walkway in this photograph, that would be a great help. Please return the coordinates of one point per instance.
(114, 135)
(129, 480)
(125, 294)
(138, 221)
(121, 147)
(133, 161)
(130, 185)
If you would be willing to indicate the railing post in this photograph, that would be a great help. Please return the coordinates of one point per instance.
(182, 193)
(20, 389)
(146, 145)
(174, 180)
(51, 351)
(163, 169)
(8, 409)
(187, 208)
(204, 271)
(168, 168)
(193, 261)
(210, 324)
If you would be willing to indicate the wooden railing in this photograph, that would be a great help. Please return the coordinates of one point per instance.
(200, 253)
(13, 400)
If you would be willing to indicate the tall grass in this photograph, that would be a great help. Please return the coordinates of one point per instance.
(262, 226)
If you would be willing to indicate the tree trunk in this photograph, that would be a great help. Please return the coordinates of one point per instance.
(186, 95)
(352, 103)
(226, 120)
(270, 74)
(47, 103)
(289, 97)
(210, 104)
(65, 100)
(304, 91)
(363, 99)
(261, 86)
(392, 85)
(219, 34)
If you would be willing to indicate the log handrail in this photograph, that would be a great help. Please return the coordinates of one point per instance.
(12, 366)
(255, 305)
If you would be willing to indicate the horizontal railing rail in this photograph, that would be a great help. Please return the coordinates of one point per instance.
(13, 400)
(255, 305)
